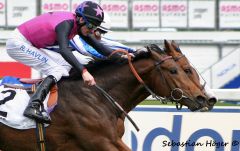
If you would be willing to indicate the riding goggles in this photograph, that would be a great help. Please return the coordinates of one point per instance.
(89, 25)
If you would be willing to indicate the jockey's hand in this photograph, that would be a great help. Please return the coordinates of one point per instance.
(88, 78)
(140, 52)
(119, 58)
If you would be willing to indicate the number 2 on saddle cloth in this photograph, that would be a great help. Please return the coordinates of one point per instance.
(10, 85)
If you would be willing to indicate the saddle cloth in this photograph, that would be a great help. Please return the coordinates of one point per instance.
(13, 103)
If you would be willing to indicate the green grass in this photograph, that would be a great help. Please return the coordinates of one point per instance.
(152, 102)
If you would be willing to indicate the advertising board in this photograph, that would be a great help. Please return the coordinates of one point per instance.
(201, 13)
(118, 12)
(145, 13)
(2, 13)
(229, 14)
(166, 128)
(226, 69)
(174, 13)
(20, 11)
(55, 5)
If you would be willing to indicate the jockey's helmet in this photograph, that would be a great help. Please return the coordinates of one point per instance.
(91, 12)
(106, 24)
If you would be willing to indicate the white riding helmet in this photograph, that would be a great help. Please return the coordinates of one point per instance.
(106, 24)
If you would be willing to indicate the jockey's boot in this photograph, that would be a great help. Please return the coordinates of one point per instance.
(36, 101)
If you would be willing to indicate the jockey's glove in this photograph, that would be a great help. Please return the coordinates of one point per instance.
(119, 58)
(140, 52)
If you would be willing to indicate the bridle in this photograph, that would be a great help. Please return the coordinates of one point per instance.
(164, 100)
(202, 86)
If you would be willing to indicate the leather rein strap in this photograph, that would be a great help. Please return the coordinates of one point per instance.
(162, 99)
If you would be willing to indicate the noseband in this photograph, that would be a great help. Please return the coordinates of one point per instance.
(164, 100)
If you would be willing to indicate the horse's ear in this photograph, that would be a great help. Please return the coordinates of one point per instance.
(168, 47)
(174, 43)
(176, 46)
(166, 44)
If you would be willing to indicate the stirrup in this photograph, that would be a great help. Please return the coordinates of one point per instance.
(32, 111)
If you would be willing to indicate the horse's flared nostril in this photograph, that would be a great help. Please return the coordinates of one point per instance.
(201, 99)
(212, 101)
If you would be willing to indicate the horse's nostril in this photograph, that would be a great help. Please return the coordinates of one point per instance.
(200, 99)
(212, 101)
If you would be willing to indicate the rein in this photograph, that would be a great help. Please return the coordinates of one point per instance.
(164, 100)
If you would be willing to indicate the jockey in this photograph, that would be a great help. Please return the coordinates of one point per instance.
(81, 45)
(50, 29)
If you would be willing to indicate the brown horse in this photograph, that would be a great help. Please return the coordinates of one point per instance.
(85, 121)
(174, 50)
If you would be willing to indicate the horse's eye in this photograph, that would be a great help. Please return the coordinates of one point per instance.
(173, 71)
(188, 71)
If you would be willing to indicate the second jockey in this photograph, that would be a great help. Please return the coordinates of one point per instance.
(83, 47)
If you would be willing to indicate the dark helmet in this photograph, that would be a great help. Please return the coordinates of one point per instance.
(91, 12)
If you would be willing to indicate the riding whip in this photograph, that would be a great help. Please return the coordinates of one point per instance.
(116, 105)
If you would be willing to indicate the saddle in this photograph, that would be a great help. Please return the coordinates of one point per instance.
(30, 86)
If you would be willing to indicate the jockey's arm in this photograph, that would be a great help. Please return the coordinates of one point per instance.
(63, 30)
(114, 45)
(101, 48)
(104, 50)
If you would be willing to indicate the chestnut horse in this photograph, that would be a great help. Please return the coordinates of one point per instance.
(174, 50)
(85, 121)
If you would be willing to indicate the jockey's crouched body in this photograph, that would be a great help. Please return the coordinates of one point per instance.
(50, 29)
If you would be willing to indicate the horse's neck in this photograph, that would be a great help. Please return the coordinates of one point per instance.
(124, 87)
(117, 80)
(137, 95)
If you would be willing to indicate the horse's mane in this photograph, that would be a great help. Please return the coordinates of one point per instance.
(156, 48)
(104, 66)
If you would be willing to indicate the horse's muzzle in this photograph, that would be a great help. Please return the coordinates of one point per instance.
(206, 104)
(197, 104)
(211, 102)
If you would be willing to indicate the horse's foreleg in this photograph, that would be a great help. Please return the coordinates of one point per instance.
(122, 146)
(120, 130)
(120, 127)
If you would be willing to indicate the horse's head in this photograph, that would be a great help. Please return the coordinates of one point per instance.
(173, 50)
(167, 79)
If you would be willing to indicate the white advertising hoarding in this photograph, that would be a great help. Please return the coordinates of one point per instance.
(118, 12)
(55, 5)
(145, 13)
(75, 3)
(20, 11)
(207, 77)
(174, 13)
(229, 14)
(201, 13)
(226, 70)
(2, 13)
(165, 128)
